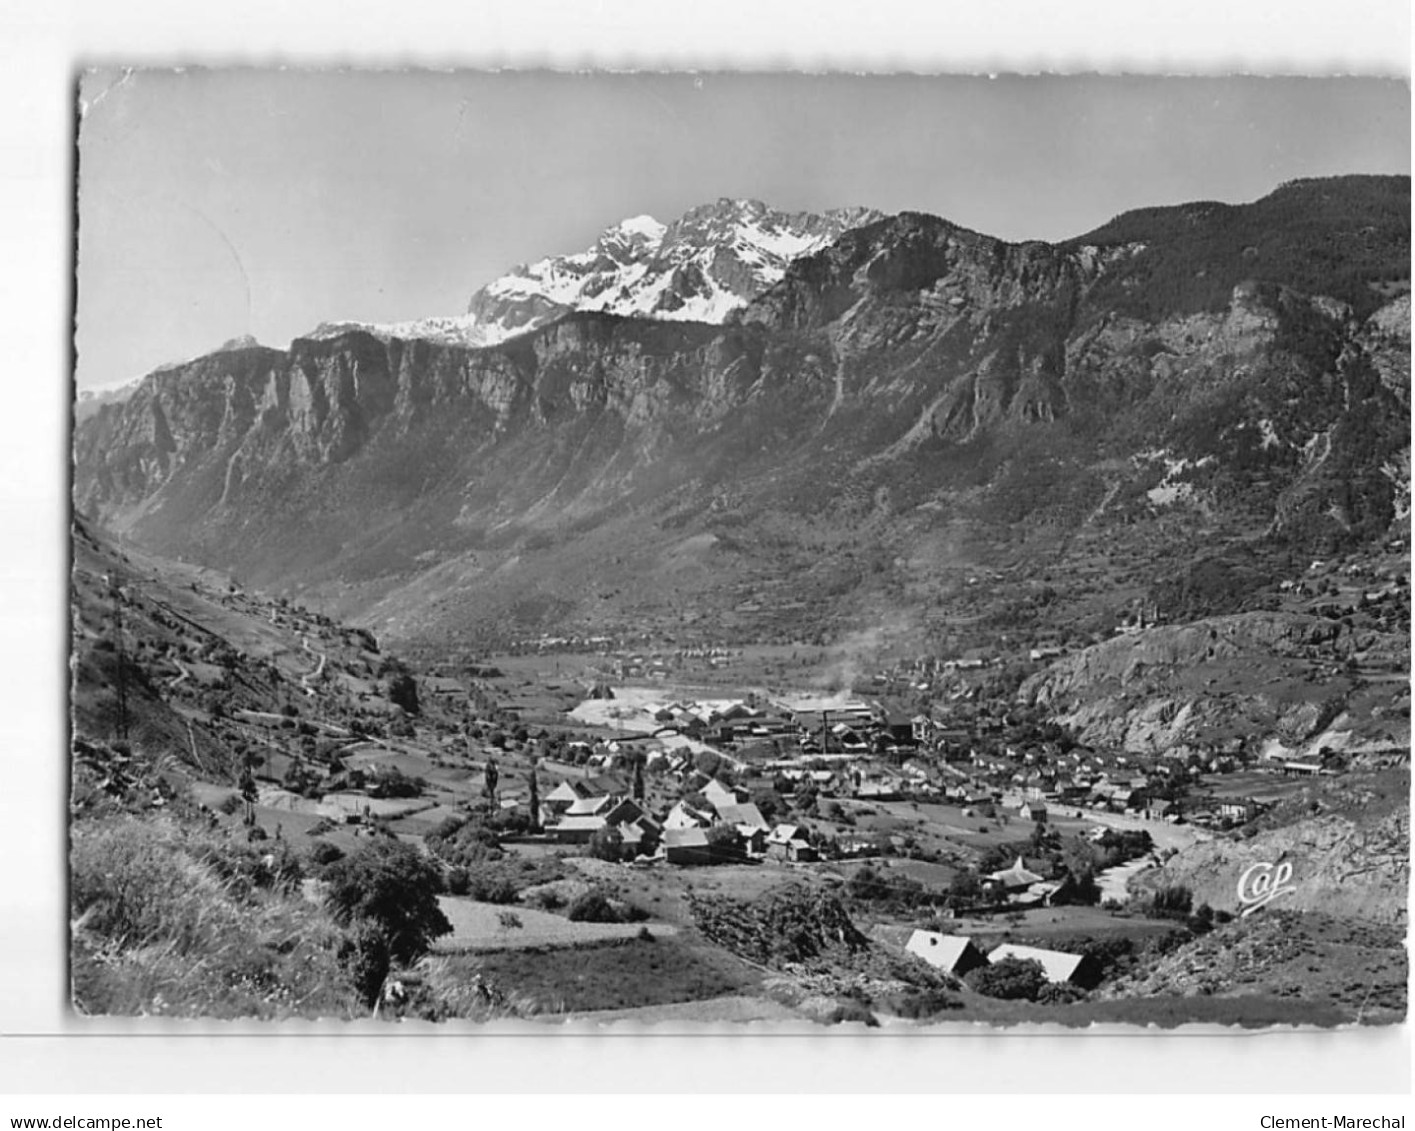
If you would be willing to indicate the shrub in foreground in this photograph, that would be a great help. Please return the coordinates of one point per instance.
(392, 886)
(159, 928)
(1012, 979)
(592, 907)
(851, 1010)
(322, 853)
(921, 1005)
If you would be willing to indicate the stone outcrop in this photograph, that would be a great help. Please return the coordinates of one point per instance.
(961, 376)
(1340, 865)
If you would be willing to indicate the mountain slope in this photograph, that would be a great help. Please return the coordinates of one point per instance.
(177, 663)
(908, 406)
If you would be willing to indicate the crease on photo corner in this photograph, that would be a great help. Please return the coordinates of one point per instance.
(88, 106)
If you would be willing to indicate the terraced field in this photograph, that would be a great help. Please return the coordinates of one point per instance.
(490, 926)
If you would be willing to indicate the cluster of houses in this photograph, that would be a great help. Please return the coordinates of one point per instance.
(959, 955)
(725, 826)
(855, 751)
(986, 760)
(850, 727)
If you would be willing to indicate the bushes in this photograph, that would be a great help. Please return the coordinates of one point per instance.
(870, 885)
(322, 854)
(475, 838)
(490, 884)
(867, 885)
(850, 1009)
(392, 782)
(592, 907)
(1173, 902)
(459, 881)
(1202, 921)
(247, 868)
(1012, 979)
(401, 688)
(1075, 889)
(786, 925)
(391, 886)
(607, 844)
(1060, 993)
(447, 828)
(367, 957)
(501, 880)
(547, 899)
(1160, 945)
(1118, 846)
(229, 804)
(463, 842)
(921, 1005)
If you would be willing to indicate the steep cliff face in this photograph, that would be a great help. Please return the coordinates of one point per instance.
(1339, 866)
(912, 375)
(1236, 682)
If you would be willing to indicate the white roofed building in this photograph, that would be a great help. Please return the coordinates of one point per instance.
(1058, 965)
(953, 954)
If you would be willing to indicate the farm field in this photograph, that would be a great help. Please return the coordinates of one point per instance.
(662, 890)
(403, 776)
(947, 822)
(932, 876)
(626, 975)
(490, 926)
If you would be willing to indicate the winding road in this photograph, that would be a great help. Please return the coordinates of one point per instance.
(1114, 882)
(319, 668)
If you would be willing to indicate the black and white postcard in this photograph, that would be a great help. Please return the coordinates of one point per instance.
(817, 550)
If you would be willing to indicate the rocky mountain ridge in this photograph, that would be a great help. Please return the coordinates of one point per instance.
(1340, 865)
(1171, 689)
(927, 392)
(709, 262)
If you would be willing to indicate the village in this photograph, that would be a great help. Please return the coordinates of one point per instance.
(990, 766)
(578, 807)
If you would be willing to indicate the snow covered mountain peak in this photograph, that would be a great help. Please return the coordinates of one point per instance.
(712, 260)
(644, 227)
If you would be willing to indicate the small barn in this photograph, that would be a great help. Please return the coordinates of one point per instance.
(742, 815)
(565, 795)
(576, 830)
(692, 846)
(719, 795)
(1059, 966)
(1016, 878)
(789, 842)
(589, 806)
(953, 954)
(684, 816)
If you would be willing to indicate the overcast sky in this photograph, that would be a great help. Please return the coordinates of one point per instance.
(219, 203)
